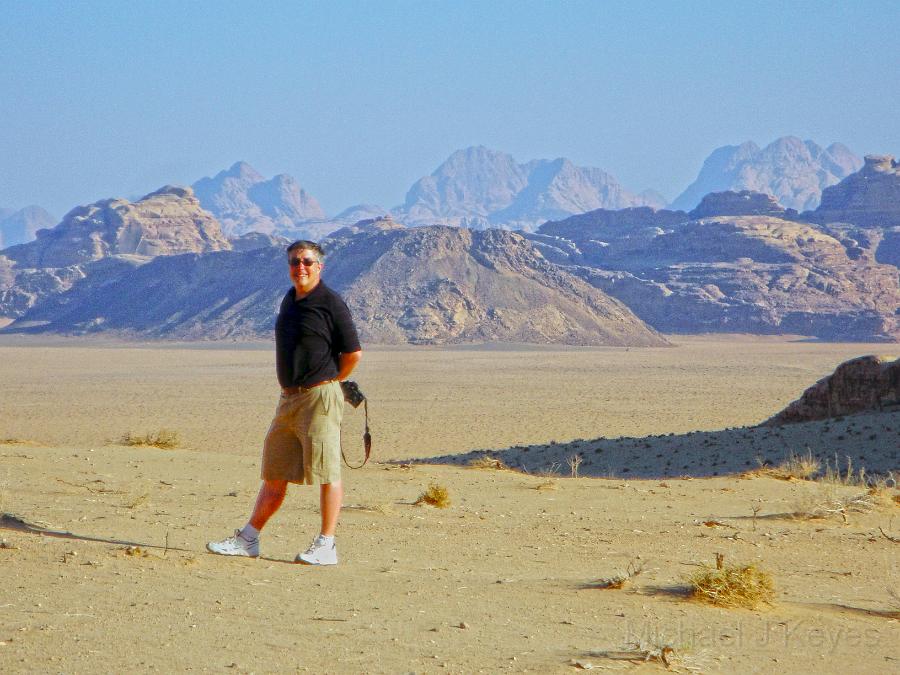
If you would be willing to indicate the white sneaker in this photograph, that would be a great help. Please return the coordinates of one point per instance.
(318, 553)
(235, 545)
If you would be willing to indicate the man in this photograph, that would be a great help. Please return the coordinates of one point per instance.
(316, 347)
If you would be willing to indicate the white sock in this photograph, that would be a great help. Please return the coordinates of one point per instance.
(328, 541)
(249, 532)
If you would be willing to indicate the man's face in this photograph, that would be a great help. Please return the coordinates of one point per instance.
(305, 269)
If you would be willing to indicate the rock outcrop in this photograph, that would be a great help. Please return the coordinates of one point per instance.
(21, 227)
(868, 198)
(793, 171)
(164, 223)
(743, 203)
(480, 188)
(756, 274)
(244, 201)
(864, 384)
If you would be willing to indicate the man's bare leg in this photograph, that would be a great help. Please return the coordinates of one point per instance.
(331, 495)
(271, 495)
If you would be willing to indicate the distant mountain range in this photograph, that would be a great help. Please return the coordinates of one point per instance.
(161, 267)
(793, 171)
(479, 188)
(19, 227)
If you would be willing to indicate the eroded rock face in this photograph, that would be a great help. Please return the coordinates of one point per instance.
(166, 222)
(756, 274)
(864, 384)
(869, 198)
(743, 203)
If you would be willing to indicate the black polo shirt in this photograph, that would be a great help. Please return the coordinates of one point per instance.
(310, 334)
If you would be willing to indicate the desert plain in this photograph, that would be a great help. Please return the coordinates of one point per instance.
(103, 565)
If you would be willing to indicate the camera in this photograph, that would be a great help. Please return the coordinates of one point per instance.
(352, 393)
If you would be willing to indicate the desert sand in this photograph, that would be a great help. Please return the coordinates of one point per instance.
(109, 572)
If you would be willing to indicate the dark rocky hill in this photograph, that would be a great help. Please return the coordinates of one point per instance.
(868, 198)
(418, 285)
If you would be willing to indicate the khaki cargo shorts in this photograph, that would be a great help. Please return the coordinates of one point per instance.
(303, 444)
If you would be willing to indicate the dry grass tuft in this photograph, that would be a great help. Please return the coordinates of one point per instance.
(796, 467)
(733, 586)
(18, 441)
(621, 579)
(549, 484)
(436, 495)
(826, 503)
(488, 462)
(135, 552)
(166, 439)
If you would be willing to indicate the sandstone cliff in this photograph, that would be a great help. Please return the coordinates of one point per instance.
(166, 222)
(869, 198)
(755, 274)
(865, 384)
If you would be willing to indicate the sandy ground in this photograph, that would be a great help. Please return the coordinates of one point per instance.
(499, 581)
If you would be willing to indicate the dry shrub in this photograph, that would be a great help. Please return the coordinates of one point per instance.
(436, 495)
(796, 467)
(549, 484)
(135, 552)
(826, 503)
(621, 579)
(487, 462)
(733, 586)
(17, 441)
(167, 439)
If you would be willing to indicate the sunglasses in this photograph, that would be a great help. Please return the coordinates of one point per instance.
(307, 262)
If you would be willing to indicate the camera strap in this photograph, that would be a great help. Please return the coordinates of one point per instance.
(367, 440)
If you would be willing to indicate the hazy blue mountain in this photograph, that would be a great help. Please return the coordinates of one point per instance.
(20, 227)
(793, 171)
(479, 187)
(244, 201)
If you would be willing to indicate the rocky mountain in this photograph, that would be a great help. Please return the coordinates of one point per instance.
(420, 285)
(20, 227)
(244, 201)
(734, 273)
(478, 188)
(163, 223)
(449, 285)
(864, 384)
(793, 171)
(869, 198)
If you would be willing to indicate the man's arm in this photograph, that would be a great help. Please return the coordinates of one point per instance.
(346, 364)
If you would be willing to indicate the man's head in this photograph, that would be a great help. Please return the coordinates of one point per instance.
(306, 260)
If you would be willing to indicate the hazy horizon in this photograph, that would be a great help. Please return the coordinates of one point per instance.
(357, 102)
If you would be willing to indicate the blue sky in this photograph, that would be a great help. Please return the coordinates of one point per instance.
(357, 100)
